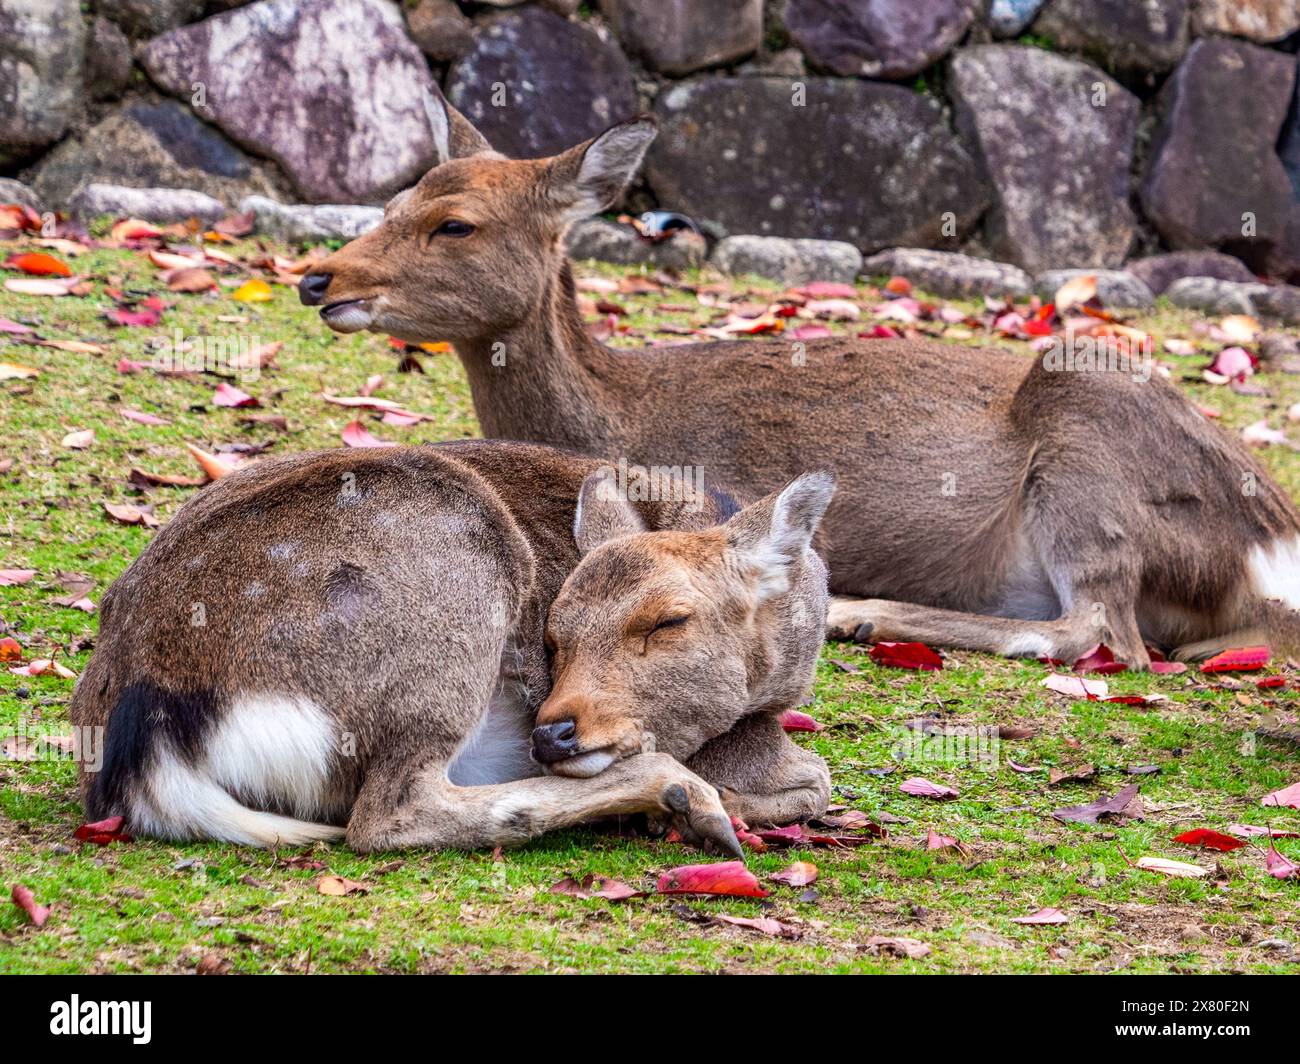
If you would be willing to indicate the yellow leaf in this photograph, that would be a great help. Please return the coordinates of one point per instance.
(253, 291)
(11, 371)
(1076, 290)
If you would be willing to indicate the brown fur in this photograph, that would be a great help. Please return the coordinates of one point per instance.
(403, 592)
(1087, 507)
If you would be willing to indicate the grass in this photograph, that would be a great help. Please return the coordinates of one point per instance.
(148, 906)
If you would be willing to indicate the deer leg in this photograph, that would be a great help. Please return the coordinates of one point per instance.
(424, 809)
(1065, 638)
(763, 777)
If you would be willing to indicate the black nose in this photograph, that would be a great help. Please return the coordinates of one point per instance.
(312, 288)
(554, 742)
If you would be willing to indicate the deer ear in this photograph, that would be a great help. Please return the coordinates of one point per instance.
(603, 512)
(591, 177)
(454, 136)
(770, 537)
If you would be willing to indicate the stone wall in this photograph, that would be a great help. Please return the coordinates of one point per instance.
(1046, 133)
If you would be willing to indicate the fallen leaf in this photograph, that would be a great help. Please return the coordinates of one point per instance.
(1257, 434)
(906, 656)
(1043, 916)
(129, 514)
(1126, 804)
(935, 841)
(1071, 775)
(1076, 290)
(796, 874)
(1287, 796)
(10, 649)
(1177, 869)
(38, 263)
(14, 577)
(213, 466)
(1209, 840)
(102, 832)
(337, 886)
(44, 667)
(727, 877)
(793, 720)
(41, 286)
(190, 279)
(1076, 686)
(79, 440)
(142, 417)
(11, 371)
(133, 229)
(254, 291)
(1278, 866)
(24, 898)
(229, 395)
(763, 924)
(1240, 659)
(593, 886)
(1099, 659)
(1250, 831)
(1240, 328)
(356, 435)
(920, 787)
(900, 947)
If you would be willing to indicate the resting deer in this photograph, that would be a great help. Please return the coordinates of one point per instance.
(984, 501)
(355, 644)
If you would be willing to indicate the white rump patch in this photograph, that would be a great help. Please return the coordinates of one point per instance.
(270, 750)
(1275, 571)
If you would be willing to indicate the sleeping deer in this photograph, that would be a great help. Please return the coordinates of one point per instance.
(985, 501)
(361, 644)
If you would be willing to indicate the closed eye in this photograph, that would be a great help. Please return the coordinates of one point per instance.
(453, 227)
(670, 622)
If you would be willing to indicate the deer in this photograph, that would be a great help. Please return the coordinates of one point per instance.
(985, 500)
(457, 646)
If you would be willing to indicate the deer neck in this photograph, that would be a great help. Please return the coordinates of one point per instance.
(545, 379)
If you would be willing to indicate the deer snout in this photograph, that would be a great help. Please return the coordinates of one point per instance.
(312, 288)
(555, 742)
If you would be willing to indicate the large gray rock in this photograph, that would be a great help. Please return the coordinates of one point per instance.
(1160, 271)
(946, 273)
(330, 89)
(834, 159)
(681, 36)
(42, 47)
(791, 262)
(1280, 301)
(1214, 178)
(441, 29)
(1010, 18)
(12, 191)
(606, 241)
(536, 83)
(149, 204)
(144, 18)
(878, 38)
(108, 61)
(1132, 35)
(1214, 296)
(1260, 20)
(1056, 138)
(153, 144)
(310, 224)
(1115, 288)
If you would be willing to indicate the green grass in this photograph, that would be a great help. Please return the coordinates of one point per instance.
(148, 906)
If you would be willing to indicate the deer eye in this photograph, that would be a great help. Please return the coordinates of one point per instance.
(670, 622)
(454, 227)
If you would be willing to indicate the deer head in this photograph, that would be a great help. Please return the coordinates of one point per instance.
(472, 249)
(664, 640)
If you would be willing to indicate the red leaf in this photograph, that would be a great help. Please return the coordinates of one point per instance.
(794, 720)
(132, 318)
(1239, 659)
(920, 787)
(1269, 682)
(102, 832)
(1168, 668)
(39, 264)
(26, 900)
(1287, 796)
(1210, 840)
(935, 841)
(727, 877)
(906, 656)
(828, 290)
(1099, 659)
